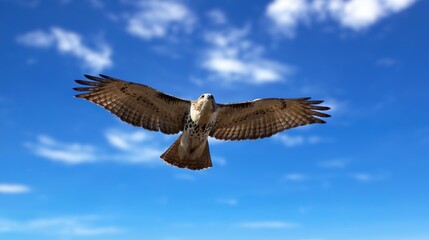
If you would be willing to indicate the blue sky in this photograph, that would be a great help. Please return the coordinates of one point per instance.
(71, 170)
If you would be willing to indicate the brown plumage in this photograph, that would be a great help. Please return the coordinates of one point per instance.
(143, 106)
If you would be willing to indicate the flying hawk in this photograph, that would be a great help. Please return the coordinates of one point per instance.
(143, 106)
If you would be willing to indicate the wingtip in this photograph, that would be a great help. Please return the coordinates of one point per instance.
(94, 78)
(82, 89)
(79, 95)
(104, 76)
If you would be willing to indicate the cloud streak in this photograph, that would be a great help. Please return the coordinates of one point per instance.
(69, 153)
(70, 43)
(12, 188)
(267, 225)
(368, 177)
(295, 177)
(77, 226)
(287, 15)
(123, 146)
(295, 141)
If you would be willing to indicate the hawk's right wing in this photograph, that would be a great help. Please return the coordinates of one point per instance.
(136, 104)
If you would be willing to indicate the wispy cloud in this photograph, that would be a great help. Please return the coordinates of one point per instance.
(368, 177)
(294, 141)
(69, 153)
(12, 188)
(133, 146)
(124, 146)
(309, 180)
(286, 15)
(160, 19)
(234, 58)
(71, 43)
(125, 140)
(295, 177)
(267, 225)
(79, 226)
(217, 17)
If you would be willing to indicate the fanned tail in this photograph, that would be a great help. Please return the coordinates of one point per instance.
(171, 156)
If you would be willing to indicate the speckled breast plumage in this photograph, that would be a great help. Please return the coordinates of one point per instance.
(195, 131)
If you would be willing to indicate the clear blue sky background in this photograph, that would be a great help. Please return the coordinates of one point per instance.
(71, 170)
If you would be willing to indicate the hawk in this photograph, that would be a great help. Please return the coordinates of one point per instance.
(143, 106)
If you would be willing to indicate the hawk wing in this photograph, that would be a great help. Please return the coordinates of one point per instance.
(136, 104)
(262, 118)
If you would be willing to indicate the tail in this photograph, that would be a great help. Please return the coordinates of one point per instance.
(171, 156)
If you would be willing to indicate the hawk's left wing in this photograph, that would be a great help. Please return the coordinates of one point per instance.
(262, 118)
(137, 104)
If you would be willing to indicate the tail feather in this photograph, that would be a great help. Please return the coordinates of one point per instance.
(171, 156)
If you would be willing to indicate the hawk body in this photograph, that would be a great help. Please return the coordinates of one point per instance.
(143, 106)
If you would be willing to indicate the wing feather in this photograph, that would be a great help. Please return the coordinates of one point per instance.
(136, 104)
(262, 118)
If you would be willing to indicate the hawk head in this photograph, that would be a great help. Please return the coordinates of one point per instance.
(206, 101)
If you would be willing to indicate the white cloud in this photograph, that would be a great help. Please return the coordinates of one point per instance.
(124, 147)
(295, 177)
(37, 38)
(217, 17)
(286, 15)
(125, 140)
(294, 141)
(360, 14)
(233, 58)
(133, 146)
(159, 19)
(7, 188)
(80, 226)
(69, 153)
(367, 177)
(267, 225)
(71, 43)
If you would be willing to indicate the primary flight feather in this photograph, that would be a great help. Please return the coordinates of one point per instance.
(143, 106)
